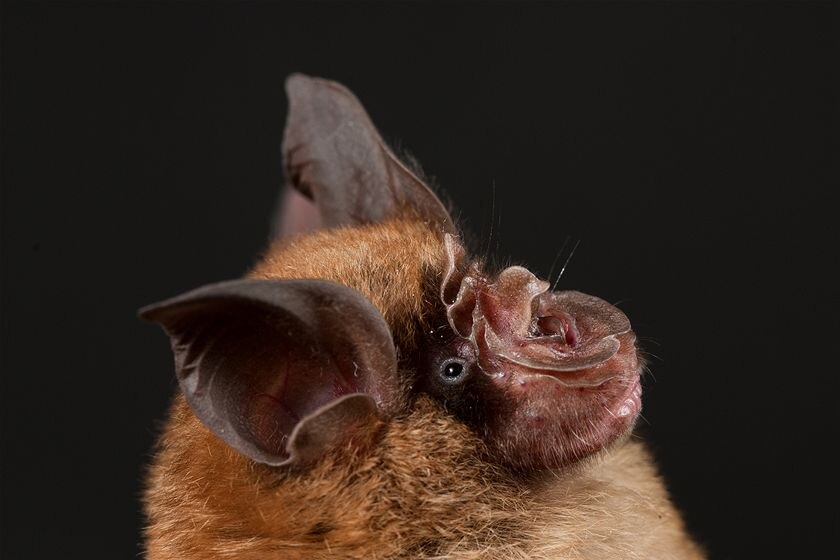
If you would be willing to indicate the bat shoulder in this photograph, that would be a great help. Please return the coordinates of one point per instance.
(615, 506)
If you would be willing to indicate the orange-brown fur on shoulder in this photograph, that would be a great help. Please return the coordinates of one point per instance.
(425, 489)
(423, 492)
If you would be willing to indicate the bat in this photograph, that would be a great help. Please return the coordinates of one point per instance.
(372, 390)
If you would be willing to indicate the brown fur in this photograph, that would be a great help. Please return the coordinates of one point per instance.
(424, 489)
(354, 257)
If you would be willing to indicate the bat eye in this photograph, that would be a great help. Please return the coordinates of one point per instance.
(453, 371)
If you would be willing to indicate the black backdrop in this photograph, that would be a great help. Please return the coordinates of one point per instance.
(686, 145)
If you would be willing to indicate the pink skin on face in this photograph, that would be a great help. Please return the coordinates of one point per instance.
(561, 371)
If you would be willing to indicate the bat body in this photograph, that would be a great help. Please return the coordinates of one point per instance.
(371, 391)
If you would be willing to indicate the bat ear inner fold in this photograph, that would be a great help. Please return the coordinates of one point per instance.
(282, 370)
(348, 419)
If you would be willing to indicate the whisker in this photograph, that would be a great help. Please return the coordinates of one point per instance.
(607, 409)
(647, 339)
(562, 270)
(649, 372)
(492, 215)
(557, 257)
(648, 354)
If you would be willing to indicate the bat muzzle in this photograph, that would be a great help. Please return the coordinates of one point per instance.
(518, 327)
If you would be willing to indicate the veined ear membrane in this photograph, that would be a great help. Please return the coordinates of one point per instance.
(282, 370)
(334, 155)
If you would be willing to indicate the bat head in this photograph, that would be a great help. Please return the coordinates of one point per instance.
(547, 377)
(369, 299)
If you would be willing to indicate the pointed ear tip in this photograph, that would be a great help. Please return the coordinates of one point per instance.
(148, 312)
(295, 78)
(299, 84)
(158, 312)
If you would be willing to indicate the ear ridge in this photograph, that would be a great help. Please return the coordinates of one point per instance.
(325, 428)
(334, 154)
(260, 361)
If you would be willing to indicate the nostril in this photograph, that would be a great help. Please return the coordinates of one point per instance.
(572, 336)
(550, 326)
(555, 325)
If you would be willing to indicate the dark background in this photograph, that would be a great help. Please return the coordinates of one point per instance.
(687, 145)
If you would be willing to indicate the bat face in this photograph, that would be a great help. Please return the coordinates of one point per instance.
(342, 329)
(546, 377)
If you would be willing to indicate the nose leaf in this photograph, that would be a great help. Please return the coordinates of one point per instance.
(518, 326)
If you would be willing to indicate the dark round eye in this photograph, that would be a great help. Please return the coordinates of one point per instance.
(453, 371)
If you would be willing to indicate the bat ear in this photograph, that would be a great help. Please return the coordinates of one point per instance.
(334, 156)
(282, 370)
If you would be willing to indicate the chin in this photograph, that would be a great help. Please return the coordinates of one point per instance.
(553, 425)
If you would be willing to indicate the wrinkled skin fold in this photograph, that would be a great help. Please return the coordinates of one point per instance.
(559, 370)
(516, 318)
